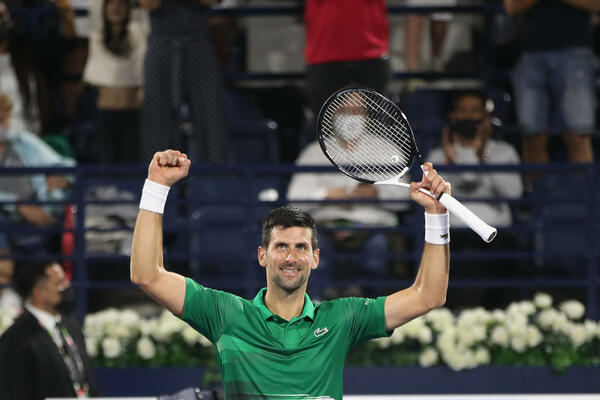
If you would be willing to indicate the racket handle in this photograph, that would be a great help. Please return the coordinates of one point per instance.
(487, 233)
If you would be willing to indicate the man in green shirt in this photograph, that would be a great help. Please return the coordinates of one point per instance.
(281, 345)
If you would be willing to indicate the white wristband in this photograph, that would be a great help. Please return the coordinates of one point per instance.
(437, 228)
(154, 197)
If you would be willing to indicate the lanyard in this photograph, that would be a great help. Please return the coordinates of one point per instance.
(70, 354)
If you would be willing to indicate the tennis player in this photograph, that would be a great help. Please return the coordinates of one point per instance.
(280, 344)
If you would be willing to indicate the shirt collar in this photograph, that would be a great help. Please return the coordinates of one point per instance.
(46, 319)
(307, 312)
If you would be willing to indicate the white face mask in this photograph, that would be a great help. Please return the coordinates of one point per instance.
(349, 126)
(4, 134)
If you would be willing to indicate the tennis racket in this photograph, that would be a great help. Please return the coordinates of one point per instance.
(368, 138)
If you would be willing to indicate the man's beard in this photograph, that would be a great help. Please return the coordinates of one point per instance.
(290, 286)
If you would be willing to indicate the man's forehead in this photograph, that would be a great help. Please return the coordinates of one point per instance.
(291, 232)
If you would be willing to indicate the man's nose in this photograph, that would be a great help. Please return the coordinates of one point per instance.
(290, 257)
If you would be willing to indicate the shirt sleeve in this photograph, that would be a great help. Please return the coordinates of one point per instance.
(209, 310)
(366, 319)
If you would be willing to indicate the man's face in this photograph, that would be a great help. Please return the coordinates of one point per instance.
(48, 290)
(290, 258)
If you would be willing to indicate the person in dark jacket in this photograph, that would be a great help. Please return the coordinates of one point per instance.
(43, 353)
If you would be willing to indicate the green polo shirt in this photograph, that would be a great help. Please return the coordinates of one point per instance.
(263, 356)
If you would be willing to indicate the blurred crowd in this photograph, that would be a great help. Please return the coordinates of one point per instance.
(112, 81)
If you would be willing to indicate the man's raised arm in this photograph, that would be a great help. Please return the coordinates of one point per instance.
(147, 270)
(430, 287)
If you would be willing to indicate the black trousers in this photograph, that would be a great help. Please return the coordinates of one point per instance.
(324, 79)
(118, 136)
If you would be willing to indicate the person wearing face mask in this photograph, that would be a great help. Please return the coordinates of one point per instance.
(20, 148)
(467, 140)
(43, 353)
(359, 206)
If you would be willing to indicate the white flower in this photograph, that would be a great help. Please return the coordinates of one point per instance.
(573, 308)
(446, 340)
(91, 346)
(561, 323)
(499, 316)
(428, 357)
(145, 348)
(111, 347)
(499, 336)
(440, 319)
(577, 334)
(591, 329)
(516, 324)
(523, 308)
(469, 335)
(204, 341)
(191, 336)
(534, 336)
(397, 336)
(382, 342)
(547, 318)
(482, 356)
(412, 329)
(542, 300)
(425, 335)
(167, 326)
(518, 344)
(147, 326)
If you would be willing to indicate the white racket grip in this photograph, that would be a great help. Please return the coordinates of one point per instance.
(487, 233)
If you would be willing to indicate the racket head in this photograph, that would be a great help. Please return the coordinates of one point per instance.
(366, 136)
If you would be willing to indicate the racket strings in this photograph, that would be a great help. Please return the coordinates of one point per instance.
(384, 148)
(362, 163)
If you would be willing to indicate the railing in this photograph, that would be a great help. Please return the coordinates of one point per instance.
(212, 230)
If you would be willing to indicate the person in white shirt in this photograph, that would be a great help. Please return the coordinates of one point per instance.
(115, 67)
(467, 140)
(320, 188)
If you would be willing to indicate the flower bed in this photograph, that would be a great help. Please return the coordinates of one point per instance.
(527, 333)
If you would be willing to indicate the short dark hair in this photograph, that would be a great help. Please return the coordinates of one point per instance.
(288, 217)
(457, 97)
(29, 274)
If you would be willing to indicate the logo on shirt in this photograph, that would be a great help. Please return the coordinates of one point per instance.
(320, 332)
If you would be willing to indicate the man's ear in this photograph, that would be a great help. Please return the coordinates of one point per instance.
(262, 256)
(317, 257)
(37, 294)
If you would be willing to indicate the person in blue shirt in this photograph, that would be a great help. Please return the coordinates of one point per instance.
(24, 149)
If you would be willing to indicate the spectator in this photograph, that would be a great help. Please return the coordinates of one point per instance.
(347, 43)
(345, 217)
(22, 117)
(467, 140)
(115, 66)
(43, 353)
(413, 35)
(41, 39)
(555, 76)
(183, 96)
(23, 149)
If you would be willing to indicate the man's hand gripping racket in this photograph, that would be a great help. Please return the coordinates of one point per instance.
(368, 138)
